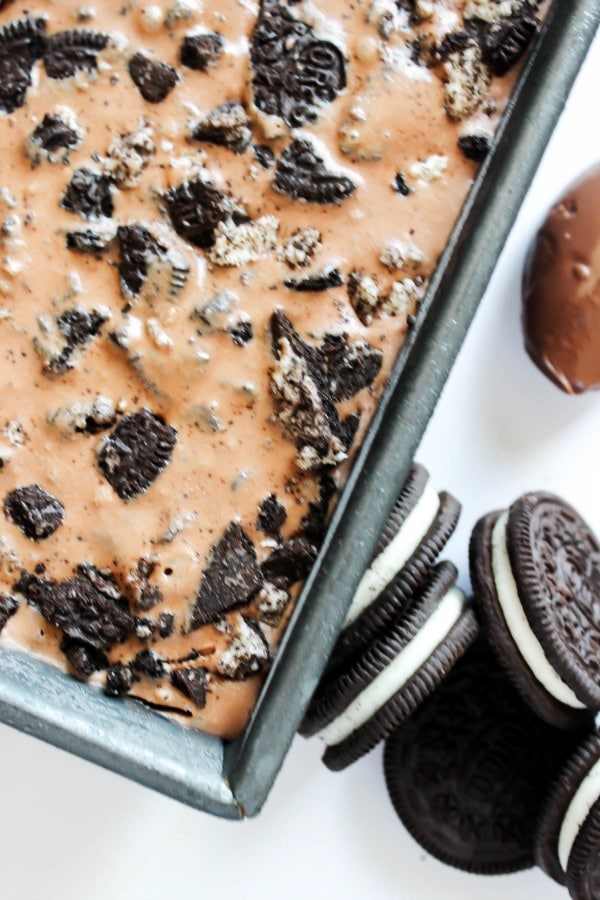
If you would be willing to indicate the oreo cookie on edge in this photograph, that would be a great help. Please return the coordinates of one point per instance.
(567, 842)
(418, 528)
(356, 708)
(535, 569)
(468, 773)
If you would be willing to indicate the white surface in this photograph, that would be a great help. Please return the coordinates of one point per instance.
(70, 831)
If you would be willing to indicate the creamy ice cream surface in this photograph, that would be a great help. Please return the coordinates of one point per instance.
(217, 222)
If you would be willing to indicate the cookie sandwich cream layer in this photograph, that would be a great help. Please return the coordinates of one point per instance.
(216, 223)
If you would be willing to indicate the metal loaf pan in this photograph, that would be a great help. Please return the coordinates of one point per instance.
(234, 780)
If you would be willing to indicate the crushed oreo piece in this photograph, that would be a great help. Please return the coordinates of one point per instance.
(84, 660)
(247, 654)
(196, 208)
(89, 194)
(128, 155)
(136, 452)
(88, 418)
(350, 365)
(400, 185)
(291, 562)
(61, 338)
(21, 43)
(8, 607)
(294, 73)
(466, 80)
(363, 294)
(241, 333)
(474, 146)
(144, 627)
(118, 680)
(37, 513)
(146, 662)
(89, 242)
(201, 52)
(318, 281)
(227, 125)
(505, 41)
(192, 682)
(349, 428)
(271, 603)
(302, 173)
(69, 51)
(301, 246)
(264, 155)
(271, 515)
(303, 402)
(231, 578)
(150, 595)
(148, 266)
(52, 139)
(155, 80)
(314, 524)
(84, 611)
(166, 624)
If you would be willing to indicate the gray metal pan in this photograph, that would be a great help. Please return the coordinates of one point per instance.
(234, 780)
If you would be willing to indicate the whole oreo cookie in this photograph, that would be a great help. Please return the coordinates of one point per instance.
(419, 525)
(355, 708)
(567, 842)
(536, 573)
(467, 774)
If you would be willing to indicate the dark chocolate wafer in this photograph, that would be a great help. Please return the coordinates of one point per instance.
(468, 772)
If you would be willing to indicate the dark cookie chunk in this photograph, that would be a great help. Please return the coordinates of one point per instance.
(231, 578)
(52, 139)
(196, 208)
(37, 513)
(145, 627)
(193, 683)
(227, 125)
(76, 328)
(69, 51)
(303, 402)
(314, 524)
(241, 333)
(201, 51)
(166, 624)
(149, 267)
(318, 281)
(146, 662)
(505, 41)
(88, 242)
(8, 607)
(155, 80)
(474, 146)
(349, 429)
(302, 174)
(83, 659)
(400, 185)
(350, 365)
(247, 654)
(136, 452)
(468, 772)
(86, 612)
(271, 515)
(21, 44)
(264, 155)
(89, 194)
(294, 73)
(118, 680)
(291, 562)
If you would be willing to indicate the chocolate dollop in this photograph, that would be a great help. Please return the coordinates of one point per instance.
(561, 289)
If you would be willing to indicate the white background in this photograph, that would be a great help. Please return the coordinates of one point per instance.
(70, 831)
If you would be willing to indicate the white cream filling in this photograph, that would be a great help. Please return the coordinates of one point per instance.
(516, 621)
(577, 812)
(389, 562)
(400, 670)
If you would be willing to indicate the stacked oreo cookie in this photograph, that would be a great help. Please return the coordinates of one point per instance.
(492, 759)
(407, 626)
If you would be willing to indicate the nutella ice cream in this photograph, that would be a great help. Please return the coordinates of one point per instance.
(217, 222)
